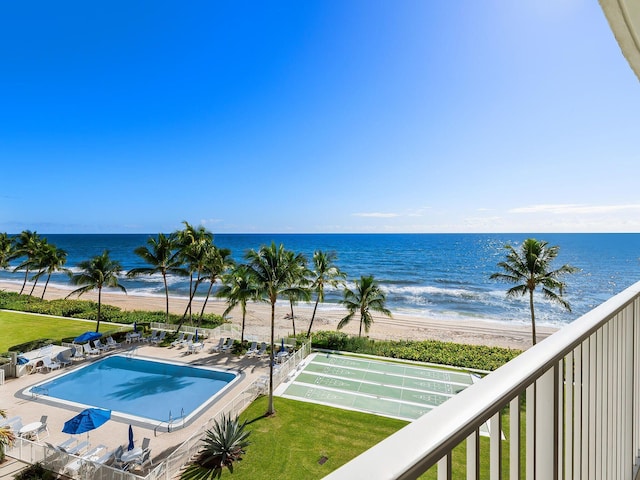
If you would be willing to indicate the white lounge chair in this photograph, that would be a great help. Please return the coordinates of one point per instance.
(50, 364)
(99, 345)
(63, 360)
(178, 340)
(159, 338)
(252, 349)
(263, 349)
(227, 346)
(218, 347)
(89, 350)
(111, 343)
(188, 338)
(194, 347)
(77, 353)
(152, 337)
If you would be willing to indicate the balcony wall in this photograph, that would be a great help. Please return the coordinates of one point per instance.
(571, 404)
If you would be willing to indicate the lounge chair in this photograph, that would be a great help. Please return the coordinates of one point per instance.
(43, 426)
(99, 345)
(263, 349)
(89, 350)
(77, 449)
(14, 423)
(152, 337)
(252, 349)
(188, 338)
(159, 338)
(50, 364)
(227, 346)
(63, 360)
(178, 340)
(91, 456)
(142, 461)
(111, 343)
(194, 347)
(218, 347)
(77, 353)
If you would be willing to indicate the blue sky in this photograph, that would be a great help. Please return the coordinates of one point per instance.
(316, 116)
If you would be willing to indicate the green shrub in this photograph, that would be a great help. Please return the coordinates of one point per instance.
(35, 472)
(432, 351)
(88, 310)
(31, 345)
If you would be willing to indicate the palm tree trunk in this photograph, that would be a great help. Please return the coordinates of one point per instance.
(45, 285)
(166, 293)
(244, 314)
(270, 409)
(24, 284)
(360, 331)
(192, 292)
(206, 299)
(99, 304)
(293, 319)
(313, 315)
(533, 317)
(33, 287)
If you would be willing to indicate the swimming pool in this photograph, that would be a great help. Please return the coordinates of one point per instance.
(150, 391)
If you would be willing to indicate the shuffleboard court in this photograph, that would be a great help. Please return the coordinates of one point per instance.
(386, 388)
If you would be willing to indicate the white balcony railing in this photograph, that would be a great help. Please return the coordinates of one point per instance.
(572, 403)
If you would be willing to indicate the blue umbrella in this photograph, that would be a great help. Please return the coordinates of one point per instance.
(282, 346)
(87, 336)
(86, 420)
(135, 327)
(196, 334)
(131, 445)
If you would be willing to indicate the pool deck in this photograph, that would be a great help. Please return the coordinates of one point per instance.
(115, 432)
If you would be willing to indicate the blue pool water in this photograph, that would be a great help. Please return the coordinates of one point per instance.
(140, 389)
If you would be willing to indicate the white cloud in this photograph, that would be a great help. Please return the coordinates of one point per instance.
(563, 209)
(376, 215)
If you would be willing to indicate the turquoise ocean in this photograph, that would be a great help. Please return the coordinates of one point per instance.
(443, 276)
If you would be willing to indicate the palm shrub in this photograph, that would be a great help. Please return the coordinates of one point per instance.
(6, 436)
(223, 445)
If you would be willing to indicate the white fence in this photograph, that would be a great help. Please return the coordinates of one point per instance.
(581, 411)
(31, 452)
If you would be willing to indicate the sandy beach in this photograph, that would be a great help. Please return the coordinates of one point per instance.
(400, 327)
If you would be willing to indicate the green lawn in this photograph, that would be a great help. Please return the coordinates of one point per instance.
(18, 328)
(289, 444)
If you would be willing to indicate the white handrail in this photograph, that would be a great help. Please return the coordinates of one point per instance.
(593, 361)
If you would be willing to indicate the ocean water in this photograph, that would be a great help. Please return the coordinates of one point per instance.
(431, 275)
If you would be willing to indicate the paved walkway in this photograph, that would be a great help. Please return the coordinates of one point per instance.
(11, 467)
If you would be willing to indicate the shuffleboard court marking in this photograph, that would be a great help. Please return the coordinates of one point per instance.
(374, 386)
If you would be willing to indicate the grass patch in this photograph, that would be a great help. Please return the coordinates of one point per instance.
(290, 444)
(19, 328)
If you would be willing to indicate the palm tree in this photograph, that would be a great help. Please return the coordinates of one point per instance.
(162, 255)
(365, 298)
(529, 268)
(271, 268)
(223, 445)
(194, 245)
(98, 272)
(6, 250)
(25, 245)
(6, 436)
(51, 259)
(325, 272)
(298, 283)
(238, 287)
(216, 262)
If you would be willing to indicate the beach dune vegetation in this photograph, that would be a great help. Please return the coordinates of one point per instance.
(530, 267)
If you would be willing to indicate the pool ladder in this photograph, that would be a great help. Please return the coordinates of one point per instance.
(170, 422)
